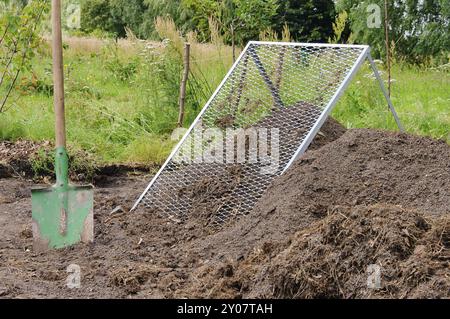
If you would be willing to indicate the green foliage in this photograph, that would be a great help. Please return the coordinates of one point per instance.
(129, 13)
(419, 29)
(32, 84)
(308, 21)
(42, 162)
(131, 120)
(11, 130)
(80, 162)
(419, 96)
(161, 75)
(200, 11)
(121, 70)
(246, 18)
(165, 9)
(19, 39)
(114, 16)
(254, 16)
(339, 27)
(241, 20)
(160, 79)
(122, 101)
(98, 15)
(148, 149)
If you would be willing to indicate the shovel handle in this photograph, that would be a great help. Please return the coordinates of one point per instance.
(58, 75)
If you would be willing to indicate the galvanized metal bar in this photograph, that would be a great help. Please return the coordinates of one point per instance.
(385, 93)
(319, 45)
(194, 123)
(322, 118)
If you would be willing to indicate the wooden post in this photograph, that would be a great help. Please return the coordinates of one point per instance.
(183, 84)
(388, 50)
(58, 78)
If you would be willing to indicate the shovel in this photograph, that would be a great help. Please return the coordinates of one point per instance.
(62, 214)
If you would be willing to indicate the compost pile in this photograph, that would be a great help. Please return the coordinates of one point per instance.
(368, 199)
(232, 186)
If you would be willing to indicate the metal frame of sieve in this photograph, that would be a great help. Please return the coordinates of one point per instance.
(293, 88)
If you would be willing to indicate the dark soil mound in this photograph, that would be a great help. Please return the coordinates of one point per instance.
(213, 194)
(395, 187)
(329, 132)
(294, 123)
(370, 198)
(335, 256)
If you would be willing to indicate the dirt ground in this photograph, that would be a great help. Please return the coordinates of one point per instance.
(368, 198)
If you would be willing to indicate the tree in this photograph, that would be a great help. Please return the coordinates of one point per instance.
(420, 29)
(200, 11)
(114, 16)
(98, 15)
(253, 16)
(308, 21)
(430, 30)
(240, 20)
(164, 8)
(129, 14)
(19, 38)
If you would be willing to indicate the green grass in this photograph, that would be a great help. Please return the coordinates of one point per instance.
(420, 97)
(121, 105)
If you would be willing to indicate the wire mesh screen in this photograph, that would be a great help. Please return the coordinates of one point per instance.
(250, 129)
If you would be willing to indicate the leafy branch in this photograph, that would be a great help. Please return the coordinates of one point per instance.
(19, 39)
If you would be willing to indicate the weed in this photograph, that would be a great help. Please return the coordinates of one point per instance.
(81, 164)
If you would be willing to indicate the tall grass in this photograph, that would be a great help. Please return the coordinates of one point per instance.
(121, 97)
(421, 98)
(121, 103)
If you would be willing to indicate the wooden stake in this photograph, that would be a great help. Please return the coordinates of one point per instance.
(58, 78)
(183, 84)
(388, 50)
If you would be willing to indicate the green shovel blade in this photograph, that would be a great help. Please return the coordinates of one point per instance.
(62, 217)
(62, 214)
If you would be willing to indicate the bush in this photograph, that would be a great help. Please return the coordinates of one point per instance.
(98, 15)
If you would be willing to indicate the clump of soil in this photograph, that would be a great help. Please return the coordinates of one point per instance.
(209, 193)
(332, 258)
(225, 121)
(15, 157)
(329, 132)
(363, 167)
